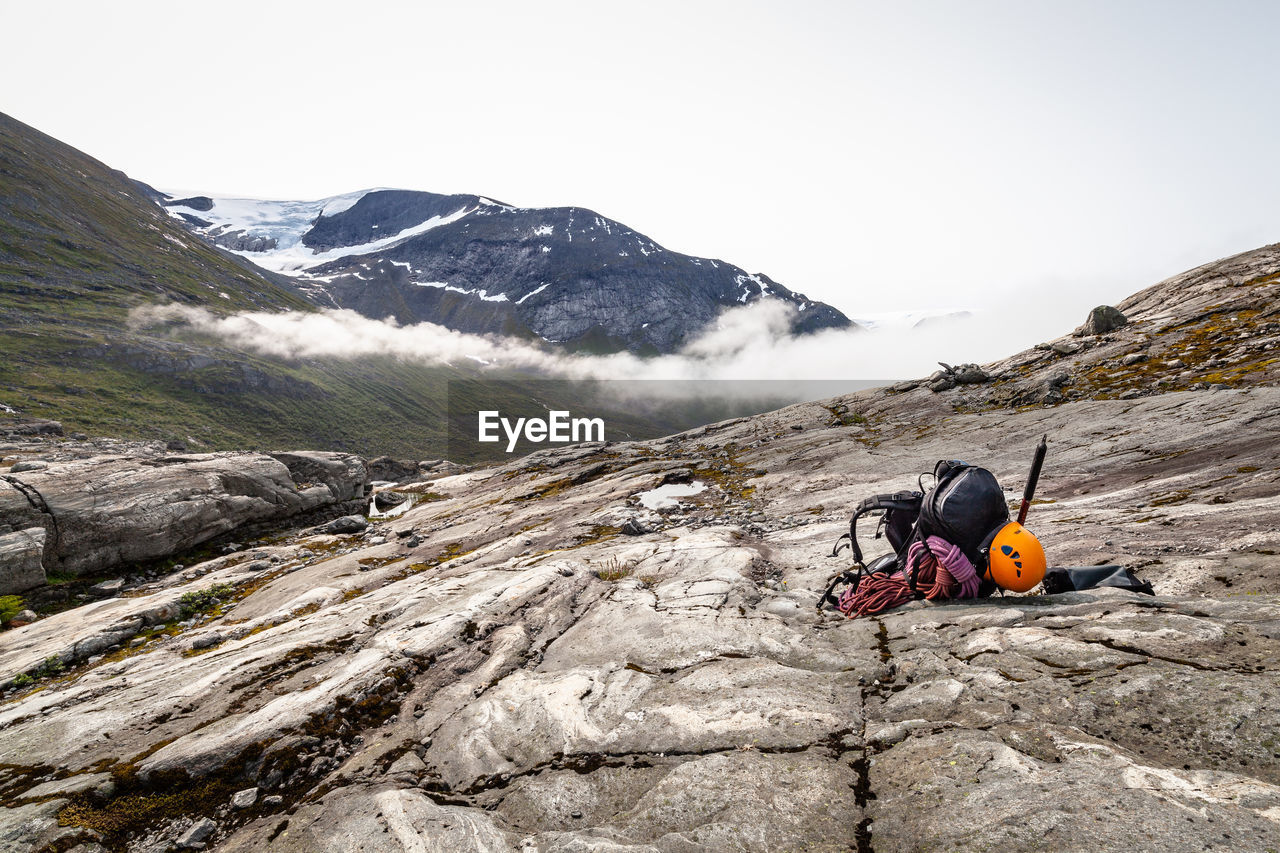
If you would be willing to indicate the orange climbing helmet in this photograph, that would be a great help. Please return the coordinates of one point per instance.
(1016, 559)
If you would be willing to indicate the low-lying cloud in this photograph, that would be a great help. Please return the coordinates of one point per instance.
(747, 343)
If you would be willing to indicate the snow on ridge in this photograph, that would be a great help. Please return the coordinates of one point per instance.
(540, 288)
(754, 278)
(481, 293)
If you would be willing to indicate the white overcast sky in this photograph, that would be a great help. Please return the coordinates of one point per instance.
(1030, 158)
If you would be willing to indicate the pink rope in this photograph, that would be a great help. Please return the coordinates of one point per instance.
(953, 575)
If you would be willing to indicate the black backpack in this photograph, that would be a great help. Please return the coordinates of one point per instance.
(966, 507)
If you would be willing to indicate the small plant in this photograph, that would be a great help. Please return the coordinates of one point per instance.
(614, 569)
(649, 581)
(23, 680)
(52, 666)
(204, 600)
(10, 606)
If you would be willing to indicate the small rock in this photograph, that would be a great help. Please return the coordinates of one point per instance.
(29, 465)
(346, 524)
(566, 571)
(1066, 347)
(634, 527)
(24, 617)
(206, 641)
(1131, 394)
(412, 542)
(943, 383)
(1133, 358)
(244, 799)
(782, 607)
(1176, 364)
(273, 801)
(107, 588)
(258, 566)
(195, 837)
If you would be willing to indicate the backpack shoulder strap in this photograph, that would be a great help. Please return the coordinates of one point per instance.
(881, 502)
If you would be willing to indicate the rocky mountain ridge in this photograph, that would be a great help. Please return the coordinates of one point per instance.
(565, 275)
(544, 655)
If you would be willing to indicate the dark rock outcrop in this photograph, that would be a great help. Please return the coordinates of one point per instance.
(1103, 319)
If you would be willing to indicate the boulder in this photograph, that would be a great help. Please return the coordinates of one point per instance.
(31, 426)
(386, 500)
(100, 512)
(970, 374)
(390, 470)
(346, 524)
(1103, 319)
(21, 560)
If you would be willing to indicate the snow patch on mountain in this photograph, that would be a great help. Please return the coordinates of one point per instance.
(479, 293)
(287, 221)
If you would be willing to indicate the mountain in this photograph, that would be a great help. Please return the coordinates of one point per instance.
(81, 245)
(566, 275)
(529, 657)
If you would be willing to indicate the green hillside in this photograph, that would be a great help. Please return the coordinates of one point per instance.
(81, 244)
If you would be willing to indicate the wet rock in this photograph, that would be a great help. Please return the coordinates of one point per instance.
(386, 500)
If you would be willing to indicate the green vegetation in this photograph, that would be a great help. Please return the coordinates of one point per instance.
(204, 600)
(10, 606)
(53, 665)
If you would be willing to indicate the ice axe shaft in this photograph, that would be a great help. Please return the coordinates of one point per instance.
(1034, 477)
